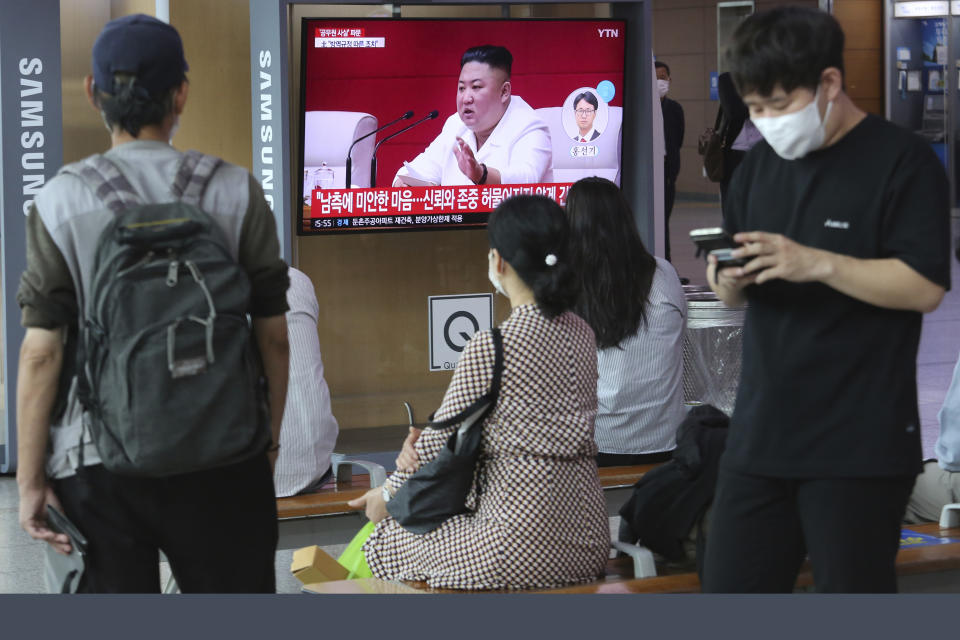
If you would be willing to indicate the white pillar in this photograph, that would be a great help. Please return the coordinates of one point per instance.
(162, 10)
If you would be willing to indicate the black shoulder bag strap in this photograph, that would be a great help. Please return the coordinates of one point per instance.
(720, 127)
(439, 489)
(476, 411)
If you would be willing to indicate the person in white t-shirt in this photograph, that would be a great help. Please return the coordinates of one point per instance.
(494, 138)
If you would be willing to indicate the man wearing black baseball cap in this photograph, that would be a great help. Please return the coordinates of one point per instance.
(216, 522)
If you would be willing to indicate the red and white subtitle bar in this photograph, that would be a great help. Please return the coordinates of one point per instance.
(426, 200)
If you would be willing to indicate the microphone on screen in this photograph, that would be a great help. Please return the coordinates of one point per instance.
(349, 162)
(373, 161)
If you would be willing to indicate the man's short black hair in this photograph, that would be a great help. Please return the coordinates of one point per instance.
(787, 46)
(662, 65)
(589, 97)
(494, 55)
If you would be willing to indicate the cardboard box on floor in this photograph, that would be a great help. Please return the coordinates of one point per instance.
(312, 564)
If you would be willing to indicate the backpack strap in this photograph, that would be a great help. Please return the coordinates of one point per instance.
(194, 174)
(105, 180)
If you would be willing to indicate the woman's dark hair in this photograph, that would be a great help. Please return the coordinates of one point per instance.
(525, 230)
(496, 56)
(789, 46)
(589, 97)
(131, 106)
(614, 270)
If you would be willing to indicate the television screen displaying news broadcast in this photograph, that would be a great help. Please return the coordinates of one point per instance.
(391, 123)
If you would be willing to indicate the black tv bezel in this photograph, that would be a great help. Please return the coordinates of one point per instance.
(302, 112)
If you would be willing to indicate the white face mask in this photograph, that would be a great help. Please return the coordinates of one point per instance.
(796, 134)
(494, 276)
(662, 87)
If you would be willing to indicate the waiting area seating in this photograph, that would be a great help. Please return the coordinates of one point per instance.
(919, 568)
(332, 500)
(324, 518)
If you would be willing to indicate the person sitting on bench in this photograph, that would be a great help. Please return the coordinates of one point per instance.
(538, 518)
(636, 307)
(939, 484)
(309, 430)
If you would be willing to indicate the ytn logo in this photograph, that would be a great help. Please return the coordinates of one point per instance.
(609, 33)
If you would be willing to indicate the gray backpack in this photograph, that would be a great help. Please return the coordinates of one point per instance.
(168, 372)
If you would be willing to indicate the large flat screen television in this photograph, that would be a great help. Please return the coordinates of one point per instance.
(563, 119)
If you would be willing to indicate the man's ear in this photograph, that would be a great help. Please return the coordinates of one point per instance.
(180, 97)
(498, 262)
(832, 80)
(505, 91)
(88, 90)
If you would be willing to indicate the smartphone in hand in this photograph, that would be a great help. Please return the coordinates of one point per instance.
(710, 239)
(716, 242)
(59, 523)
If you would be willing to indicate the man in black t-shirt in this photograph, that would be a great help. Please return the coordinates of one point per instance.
(844, 220)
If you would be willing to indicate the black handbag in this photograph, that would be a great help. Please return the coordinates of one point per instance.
(712, 145)
(438, 490)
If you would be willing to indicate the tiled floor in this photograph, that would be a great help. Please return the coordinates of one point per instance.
(21, 559)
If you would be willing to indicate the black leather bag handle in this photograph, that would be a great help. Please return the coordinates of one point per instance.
(438, 490)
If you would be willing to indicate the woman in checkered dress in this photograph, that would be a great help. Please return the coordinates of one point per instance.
(538, 517)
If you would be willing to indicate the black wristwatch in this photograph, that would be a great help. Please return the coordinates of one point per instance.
(483, 178)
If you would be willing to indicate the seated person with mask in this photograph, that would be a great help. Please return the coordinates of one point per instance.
(494, 138)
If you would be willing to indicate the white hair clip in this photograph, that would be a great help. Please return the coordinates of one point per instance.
(550, 259)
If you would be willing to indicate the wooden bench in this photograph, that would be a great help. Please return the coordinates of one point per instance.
(325, 518)
(617, 483)
(919, 569)
(321, 518)
(618, 569)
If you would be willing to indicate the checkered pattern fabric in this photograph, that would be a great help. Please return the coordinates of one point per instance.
(539, 518)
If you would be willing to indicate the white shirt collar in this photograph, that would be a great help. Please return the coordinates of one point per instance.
(589, 135)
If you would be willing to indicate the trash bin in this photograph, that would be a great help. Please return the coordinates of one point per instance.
(712, 350)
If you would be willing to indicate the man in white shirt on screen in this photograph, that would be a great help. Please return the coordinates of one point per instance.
(494, 138)
(309, 430)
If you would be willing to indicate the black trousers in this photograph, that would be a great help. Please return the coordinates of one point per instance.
(669, 195)
(761, 529)
(218, 528)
